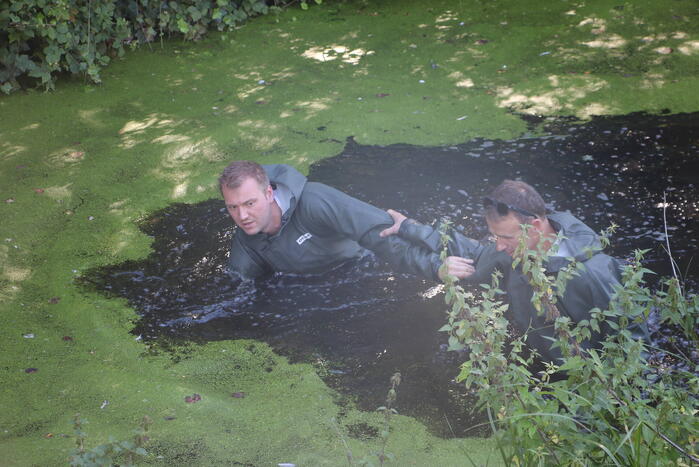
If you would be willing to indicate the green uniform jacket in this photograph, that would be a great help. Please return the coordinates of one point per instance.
(592, 288)
(323, 228)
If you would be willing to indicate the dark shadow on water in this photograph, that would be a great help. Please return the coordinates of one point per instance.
(361, 322)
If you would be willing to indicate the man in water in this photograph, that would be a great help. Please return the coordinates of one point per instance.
(288, 224)
(515, 209)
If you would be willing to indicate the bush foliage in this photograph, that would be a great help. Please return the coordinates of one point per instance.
(605, 406)
(39, 39)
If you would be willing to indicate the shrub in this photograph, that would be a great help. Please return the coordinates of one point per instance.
(39, 39)
(606, 406)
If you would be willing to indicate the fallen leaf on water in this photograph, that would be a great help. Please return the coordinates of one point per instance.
(382, 94)
(31, 370)
(10, 200)
(48, 435)
(238, 395)
(67, 338)
(39, 190)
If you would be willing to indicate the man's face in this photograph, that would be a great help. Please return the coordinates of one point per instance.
(507, 232)
(250, 206)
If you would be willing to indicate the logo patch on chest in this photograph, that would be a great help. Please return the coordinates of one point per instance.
(303, 238)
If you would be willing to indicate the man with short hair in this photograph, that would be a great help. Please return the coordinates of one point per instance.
(514, 209)
(289, 224)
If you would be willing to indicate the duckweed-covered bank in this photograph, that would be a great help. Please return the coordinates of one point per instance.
(80, 165)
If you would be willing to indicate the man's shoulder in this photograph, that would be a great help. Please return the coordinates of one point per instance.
(316, 193)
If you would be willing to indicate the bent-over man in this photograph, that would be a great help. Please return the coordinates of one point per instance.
(288, 224)
(512, 205)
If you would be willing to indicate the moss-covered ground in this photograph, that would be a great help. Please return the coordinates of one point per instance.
(79, 166)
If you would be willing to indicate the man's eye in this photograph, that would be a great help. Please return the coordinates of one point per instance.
(250, 204)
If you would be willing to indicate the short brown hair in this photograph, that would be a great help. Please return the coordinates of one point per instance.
(517, 194)
(239, 171)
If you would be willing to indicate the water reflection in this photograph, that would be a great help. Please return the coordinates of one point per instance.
(361, 322)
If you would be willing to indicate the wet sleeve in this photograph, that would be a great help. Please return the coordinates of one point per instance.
(244, 263)
(486, 258)
(331, 211)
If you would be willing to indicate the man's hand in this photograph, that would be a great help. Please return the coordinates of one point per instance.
(398, 219)
(456, 266)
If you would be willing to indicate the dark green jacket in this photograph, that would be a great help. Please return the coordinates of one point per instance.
(323, 228)
(592, 288)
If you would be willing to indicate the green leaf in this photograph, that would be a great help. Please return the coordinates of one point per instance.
(304, 6)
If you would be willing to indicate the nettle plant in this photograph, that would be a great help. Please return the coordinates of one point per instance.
(604, 406)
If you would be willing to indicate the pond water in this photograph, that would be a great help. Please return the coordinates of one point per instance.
(361, 322)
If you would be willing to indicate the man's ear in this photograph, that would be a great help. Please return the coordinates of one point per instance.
(538, 224)
(269, 193)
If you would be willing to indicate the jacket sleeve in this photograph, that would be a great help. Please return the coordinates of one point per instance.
(332, 212)
(485, 257)
(244, 262)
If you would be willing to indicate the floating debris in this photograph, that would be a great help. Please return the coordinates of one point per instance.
(28, 336)
(105, 403)
(31, 370)
(238, 395)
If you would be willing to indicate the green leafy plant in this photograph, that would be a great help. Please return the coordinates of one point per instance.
(388, 411)
(40, 39)
(605, 406)
(124, 453)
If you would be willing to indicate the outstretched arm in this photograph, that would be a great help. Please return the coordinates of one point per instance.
(456, 266)
(334, 212)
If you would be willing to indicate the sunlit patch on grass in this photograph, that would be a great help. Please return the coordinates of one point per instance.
(62, 193)
(8, 150)
(652, 81)
(461, 80)
(89, 117)
(179, 191)
(66, 156)
(185, 153)
(567, 90)
(313, 107)
(249, 91)
(446, 17)
(32, 126)
(594, 109)
(136, 126)
(611, 41)
(689, 48)
(10, 275)
(133, 132)
(333, 52)
(122, 239)
(166, 139)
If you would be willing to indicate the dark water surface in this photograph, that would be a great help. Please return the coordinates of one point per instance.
(361, 322)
